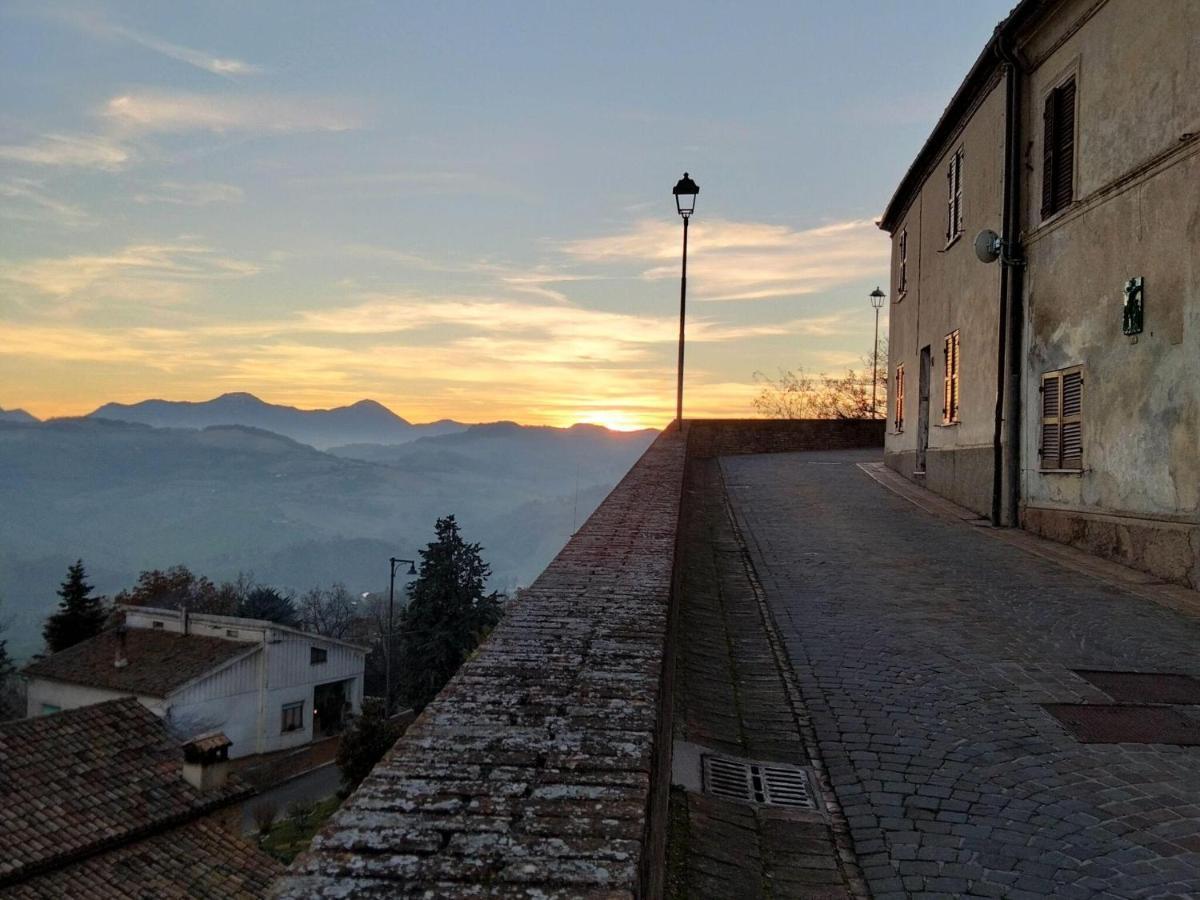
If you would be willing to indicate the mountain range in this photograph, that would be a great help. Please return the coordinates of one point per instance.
(363, 422)
(230, 498)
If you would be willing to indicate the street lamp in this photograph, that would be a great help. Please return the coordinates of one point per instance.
(387, 647)
(685, 192)
(877, 298)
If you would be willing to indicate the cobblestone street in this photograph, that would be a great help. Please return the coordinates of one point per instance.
(924, 650)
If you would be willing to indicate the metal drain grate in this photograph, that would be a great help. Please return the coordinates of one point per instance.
(770, 785)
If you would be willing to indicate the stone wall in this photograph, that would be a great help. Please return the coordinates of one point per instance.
(730, 437)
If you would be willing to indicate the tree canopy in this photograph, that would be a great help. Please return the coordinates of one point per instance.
(447, 616)
(364, 743)
(80, 614)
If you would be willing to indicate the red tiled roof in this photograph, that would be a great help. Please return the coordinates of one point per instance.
(89, 779)
(199, 859)
(158, 661)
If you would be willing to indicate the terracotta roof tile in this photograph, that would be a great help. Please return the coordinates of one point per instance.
(158, 661)
(84, 779)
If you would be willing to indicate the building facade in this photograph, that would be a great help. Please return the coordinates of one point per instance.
(265, 686)
(1068, 395)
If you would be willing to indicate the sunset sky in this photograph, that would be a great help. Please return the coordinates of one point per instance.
(459, 210)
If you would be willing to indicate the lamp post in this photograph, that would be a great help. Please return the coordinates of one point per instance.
(387, 647)
(877, 298)
(685, 192)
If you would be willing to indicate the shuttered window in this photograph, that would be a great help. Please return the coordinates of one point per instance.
(1062, 420)
(902, 252)
(954, 206)
(293, 717)
(898, 419)
(950, 356)
(1058, 149)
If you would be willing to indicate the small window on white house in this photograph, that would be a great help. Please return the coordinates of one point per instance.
(954, 203)
(902, 268)
(293, 716)
(1062, 420)
(950, 355)
(317, 655)
(50, 709)
(155, 623)
(229, 632)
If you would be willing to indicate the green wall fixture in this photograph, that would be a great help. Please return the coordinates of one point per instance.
(1131, 312)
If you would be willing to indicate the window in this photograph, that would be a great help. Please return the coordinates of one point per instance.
(155, 623)
(229, 632)
(950, 355)
(50, 709)
(317, 655)
(1058, 149)
(902, 252)
(293, 716)
(899, 417)
(1062, 420)
(954, 208)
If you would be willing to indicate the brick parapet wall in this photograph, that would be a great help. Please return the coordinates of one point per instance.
(531, 773)
(732, 437)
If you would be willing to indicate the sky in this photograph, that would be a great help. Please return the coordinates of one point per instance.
(459, 210)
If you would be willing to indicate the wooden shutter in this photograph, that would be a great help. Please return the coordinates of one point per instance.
(1048, 141)
(899, 417)
(1051, 426)
(1058, 149)
(950, 352)
(1072, 420)
(1062, 420)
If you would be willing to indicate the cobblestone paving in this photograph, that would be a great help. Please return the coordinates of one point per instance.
(924, 649)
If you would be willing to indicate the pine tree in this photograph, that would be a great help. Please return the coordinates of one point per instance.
(447, 616)
(80, 615)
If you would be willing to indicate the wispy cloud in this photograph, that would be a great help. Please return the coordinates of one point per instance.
(161, 111)
(746, 260)
(81, 151)
(196, 193)
(209, 62)
(147, 272)
(25, 199)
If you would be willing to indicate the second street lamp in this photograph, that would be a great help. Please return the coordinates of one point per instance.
(685, 201)
(877, 298)
(387, 647)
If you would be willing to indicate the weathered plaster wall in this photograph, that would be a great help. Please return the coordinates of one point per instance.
(1136, 213)
(43, 691)
(949, 289)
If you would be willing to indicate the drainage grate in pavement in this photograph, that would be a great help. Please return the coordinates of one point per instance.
(771, 785)
(1099, 724)
(1145, 687)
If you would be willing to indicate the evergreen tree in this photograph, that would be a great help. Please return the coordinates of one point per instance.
(267, 603)
(80, 615)
(365, 742)
(447, 616)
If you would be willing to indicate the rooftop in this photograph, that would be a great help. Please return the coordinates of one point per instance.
(157, 662)
(85, 791)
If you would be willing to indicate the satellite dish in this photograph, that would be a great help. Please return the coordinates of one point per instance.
(987, 246)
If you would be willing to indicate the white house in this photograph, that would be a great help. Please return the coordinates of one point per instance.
(265, 686)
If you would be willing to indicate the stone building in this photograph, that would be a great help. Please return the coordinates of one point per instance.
(1051, 377)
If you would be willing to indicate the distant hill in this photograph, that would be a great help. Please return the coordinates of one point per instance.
(16, 415)
(224, 499)
(363, 422)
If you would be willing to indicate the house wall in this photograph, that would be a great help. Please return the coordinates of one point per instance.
(948, 289)
(1136, 213)
(43, 691)
(229, 700)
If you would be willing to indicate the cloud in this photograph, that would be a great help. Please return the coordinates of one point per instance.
(26, 200)
(745, 260)
(99, 27)
(197, 193)
(82, 151)
(160, 111)
(143, 272)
